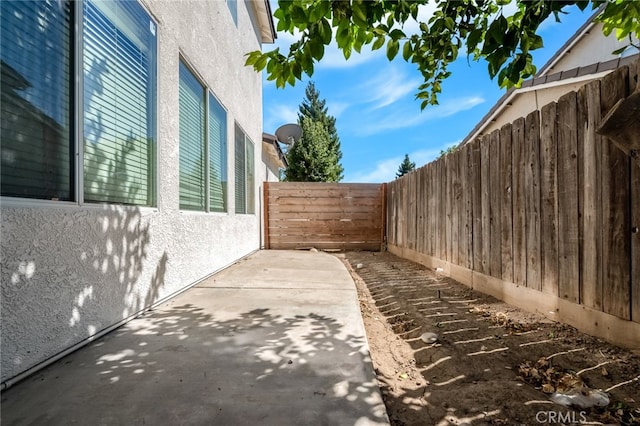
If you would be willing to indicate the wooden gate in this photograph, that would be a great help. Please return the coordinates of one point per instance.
(340, 216)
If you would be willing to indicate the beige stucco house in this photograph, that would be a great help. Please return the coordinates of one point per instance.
(132, 161)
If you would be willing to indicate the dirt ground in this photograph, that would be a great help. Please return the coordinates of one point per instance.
(492, 364)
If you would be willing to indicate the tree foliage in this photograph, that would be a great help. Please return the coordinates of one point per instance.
(316, 156)
(311, 159)
(316, 109)
(405, 167)
(444, 152)
(481, 28)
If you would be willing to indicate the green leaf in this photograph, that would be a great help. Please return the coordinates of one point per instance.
(392, 49)
(317, 49)
(535, 42)
(407, 50)
(396, 34)
(325, 31)
(319, 10)
(298, 15)
(358, 12)
(378, 43)
(261, 63)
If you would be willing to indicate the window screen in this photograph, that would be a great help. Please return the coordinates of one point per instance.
(192, 141)
(119, 64)
(37, 149)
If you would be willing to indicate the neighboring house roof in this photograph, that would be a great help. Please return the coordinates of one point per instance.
(546, 78)
(265, 20)
(271, 145)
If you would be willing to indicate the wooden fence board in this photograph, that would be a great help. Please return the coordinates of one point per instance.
(442, 209)
(568, 244)
(455, 192)
(495, 255)
(433, 209)
(616, 247)
(338, 216)
(476, 202)
(485, 175)
(465, 208)
(506, 208)
(549, 199)
(447, 196)
(518, 165)
(532, 200)
(635, 244)
(589, 164)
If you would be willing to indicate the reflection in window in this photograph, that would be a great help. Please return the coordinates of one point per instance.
(192, 141)
(119, 60)
(36, 151)
(38, 97)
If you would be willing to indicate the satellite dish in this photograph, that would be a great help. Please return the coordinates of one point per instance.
(289, 133)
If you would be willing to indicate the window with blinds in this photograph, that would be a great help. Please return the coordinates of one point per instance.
(217, 156)
(119, 64)
(203, 147)
(37, 147)
(244, 177)
(39, 97)
(192, 141)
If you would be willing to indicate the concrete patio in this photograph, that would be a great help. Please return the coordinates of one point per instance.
(276, 339)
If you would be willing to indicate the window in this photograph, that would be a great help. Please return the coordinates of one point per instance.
(37, 149)
(217, 156)
(119, 61)
(203, 159)
(233, 8)
(244, 179)
(39, 100)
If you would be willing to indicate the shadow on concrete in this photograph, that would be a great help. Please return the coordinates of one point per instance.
(181, 364)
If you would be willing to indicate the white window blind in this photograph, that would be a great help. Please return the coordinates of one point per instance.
(192, 141)
(119, 64)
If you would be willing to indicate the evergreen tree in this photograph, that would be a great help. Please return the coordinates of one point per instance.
(405, 167)
(315, 109)
(312, 158)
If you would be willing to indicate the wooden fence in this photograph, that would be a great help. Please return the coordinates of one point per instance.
(543, 210)
(324, 215)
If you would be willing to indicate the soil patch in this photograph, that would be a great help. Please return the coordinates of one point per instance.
(491, 364)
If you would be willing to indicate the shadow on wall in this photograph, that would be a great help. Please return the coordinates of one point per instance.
(69, 273)
(180, 364)
(67, 278)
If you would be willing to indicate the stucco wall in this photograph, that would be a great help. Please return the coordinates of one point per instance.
(69, 271)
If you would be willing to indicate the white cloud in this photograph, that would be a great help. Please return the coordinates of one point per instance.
(336, 108)
(409, 117)
(277, 115)
(385, 170)
(388, 86)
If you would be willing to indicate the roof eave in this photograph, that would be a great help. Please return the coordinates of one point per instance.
(265, 21)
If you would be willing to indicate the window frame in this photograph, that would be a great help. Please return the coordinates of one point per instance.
(76, 123)
(208, 93)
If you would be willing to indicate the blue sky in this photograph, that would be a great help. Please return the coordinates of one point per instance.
(377, 117)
